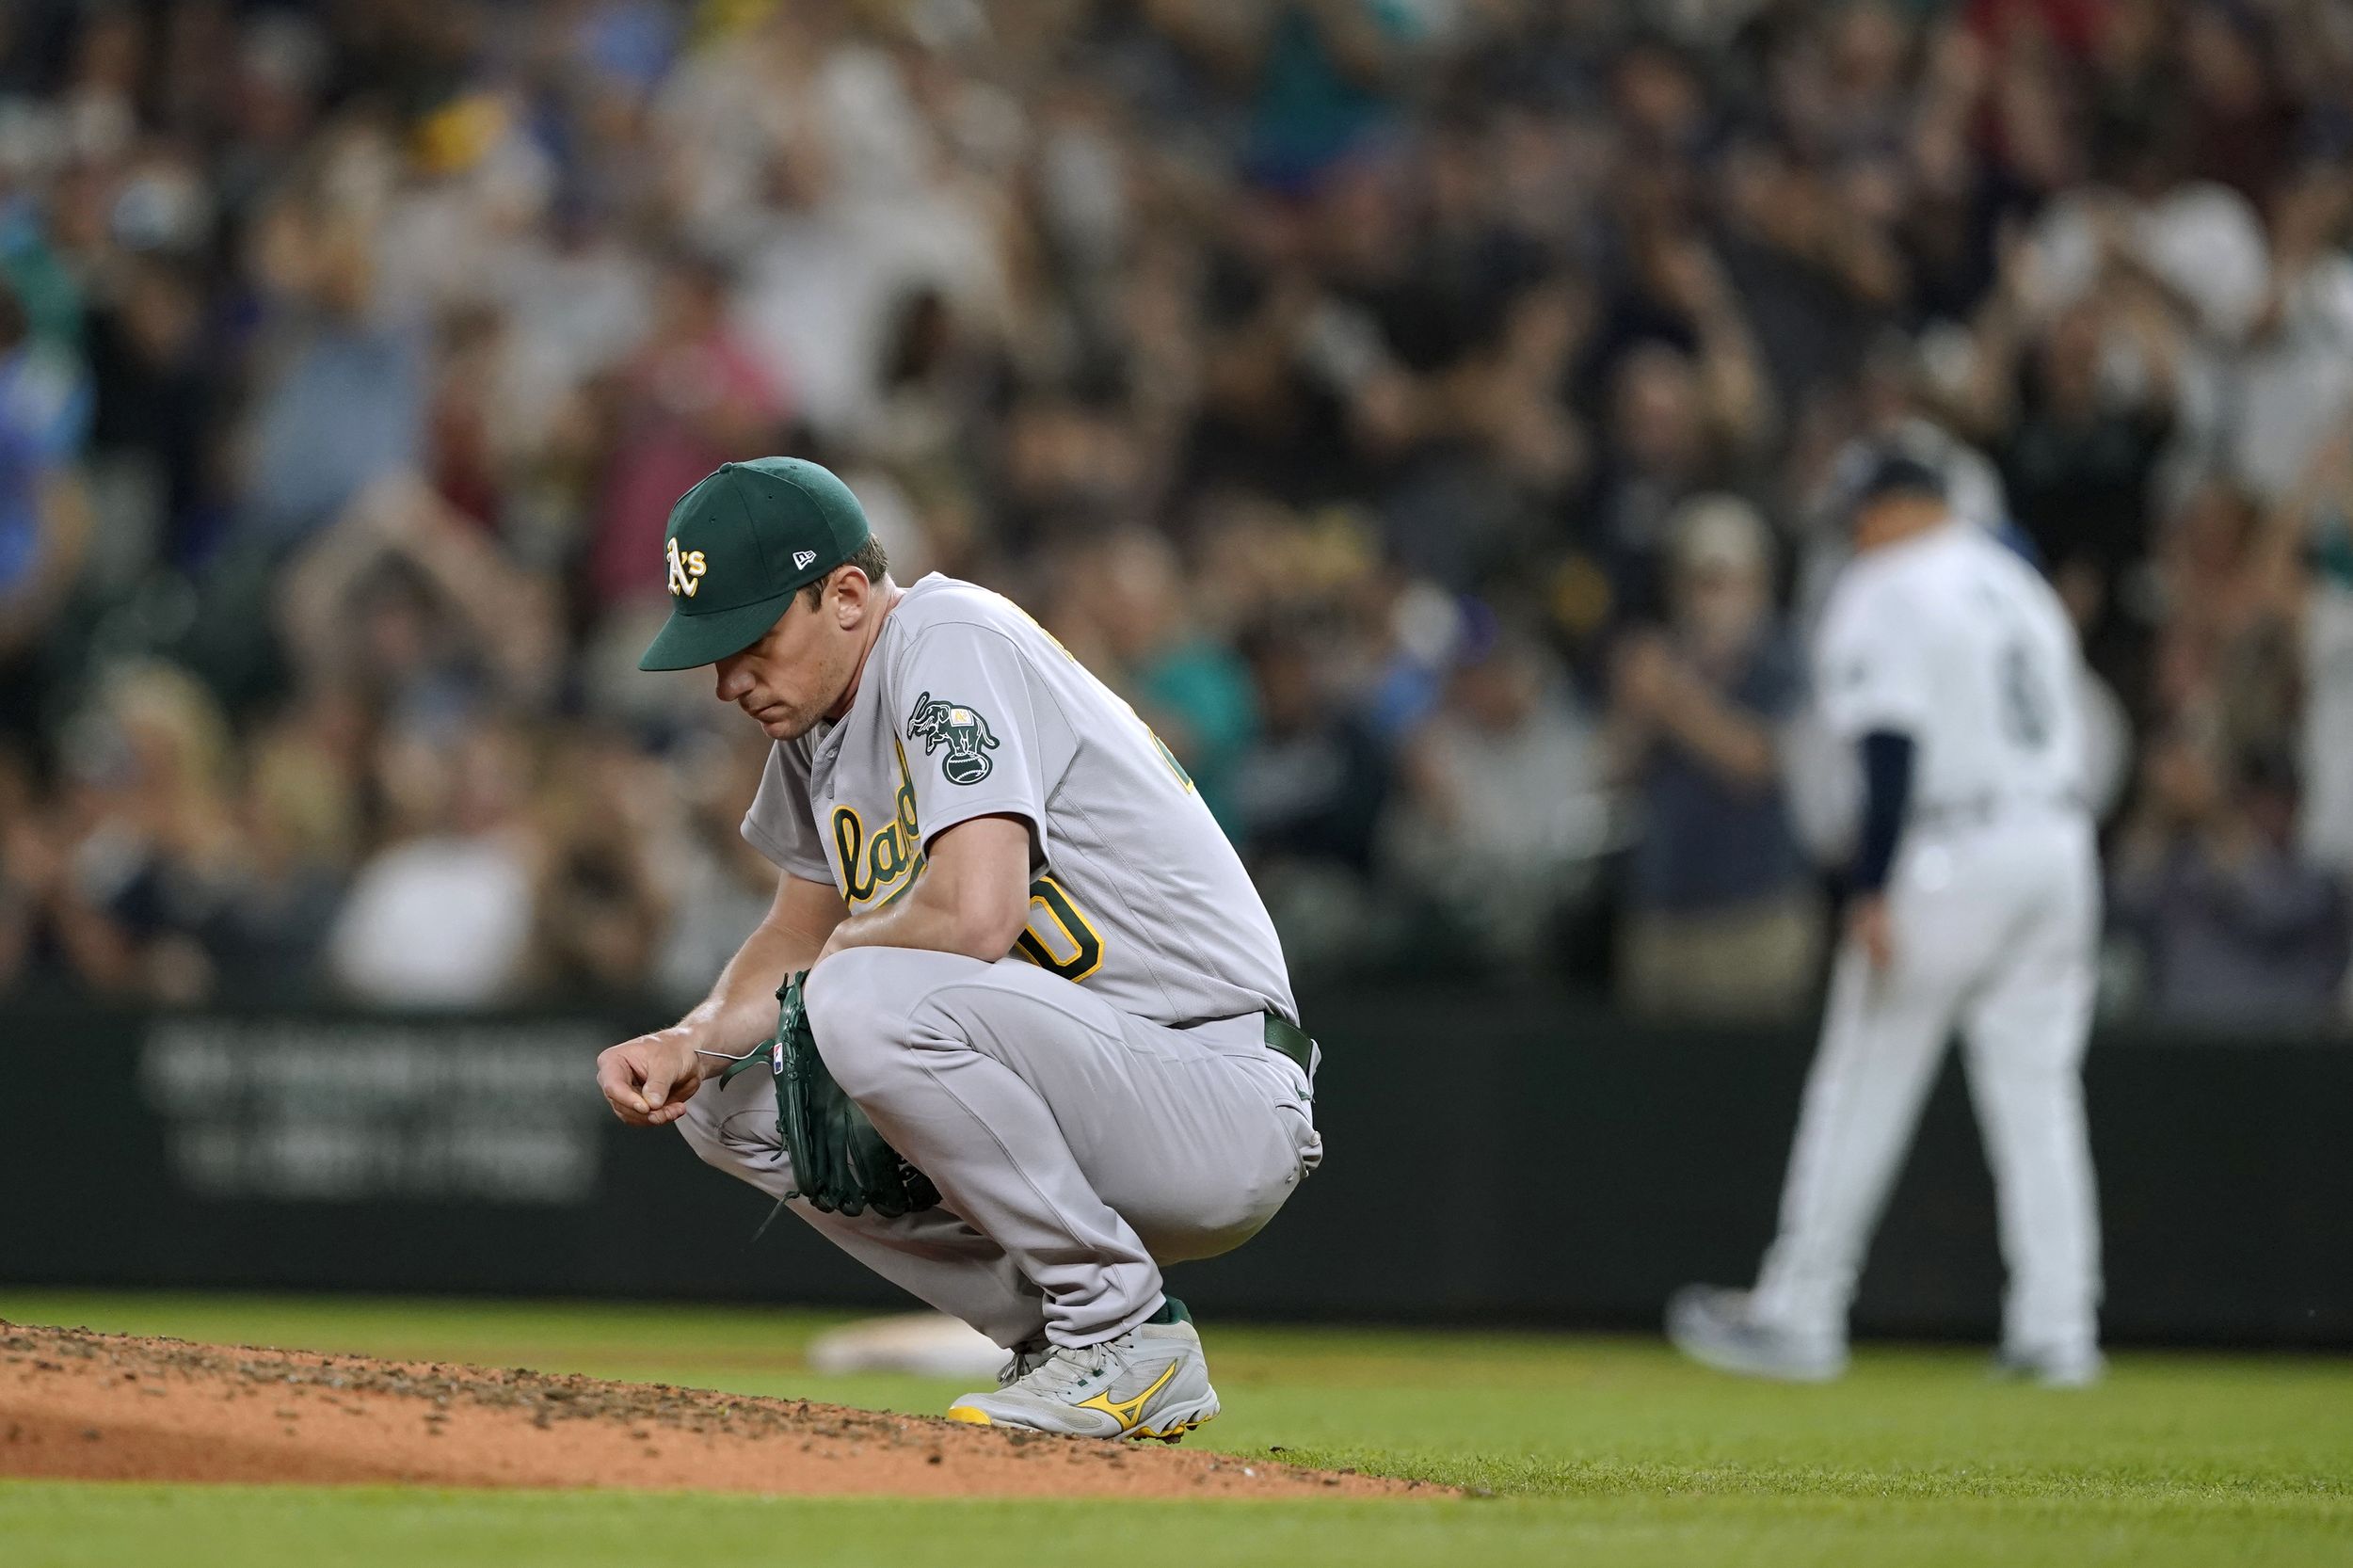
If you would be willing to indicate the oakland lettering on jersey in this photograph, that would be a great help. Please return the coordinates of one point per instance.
(876, 870)
(871, 868)
(1201, 947)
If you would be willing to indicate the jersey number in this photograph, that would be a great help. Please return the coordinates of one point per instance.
(2026, 705)
(1057, 937)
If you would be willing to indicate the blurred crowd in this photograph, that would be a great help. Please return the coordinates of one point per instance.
(1420, 409)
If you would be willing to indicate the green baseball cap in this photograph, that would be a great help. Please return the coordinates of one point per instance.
(740, 545)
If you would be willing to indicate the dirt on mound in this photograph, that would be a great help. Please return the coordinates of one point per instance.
(99, 1406)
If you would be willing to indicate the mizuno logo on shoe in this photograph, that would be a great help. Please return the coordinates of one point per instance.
(1125, 1410)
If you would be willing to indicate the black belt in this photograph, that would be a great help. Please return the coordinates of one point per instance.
(1286, 1038)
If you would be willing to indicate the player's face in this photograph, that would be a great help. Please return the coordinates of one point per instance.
(797, 673)
(1897, 517)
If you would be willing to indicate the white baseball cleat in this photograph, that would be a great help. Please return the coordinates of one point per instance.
(1023, 1359)
(2052, 1368)
(1714, 1327)
(1150, 1381)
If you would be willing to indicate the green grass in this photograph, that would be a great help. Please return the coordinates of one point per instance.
(1600, 1451)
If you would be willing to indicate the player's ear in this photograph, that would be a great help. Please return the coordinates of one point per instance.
(851, 594)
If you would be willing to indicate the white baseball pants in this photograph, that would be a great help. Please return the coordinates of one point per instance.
(1074, 1148)
(1995, 932)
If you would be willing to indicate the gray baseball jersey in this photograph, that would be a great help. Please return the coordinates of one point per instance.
(968, 708)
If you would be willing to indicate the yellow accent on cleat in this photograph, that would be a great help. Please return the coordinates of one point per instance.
(1125, 1410)
(966, 1413)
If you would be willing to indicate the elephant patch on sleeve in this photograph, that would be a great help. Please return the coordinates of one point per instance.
(963, 730)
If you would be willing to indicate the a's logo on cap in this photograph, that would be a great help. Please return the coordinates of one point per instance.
(801, 558)
(686, 570)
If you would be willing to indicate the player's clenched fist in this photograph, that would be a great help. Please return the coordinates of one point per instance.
(649, 1080)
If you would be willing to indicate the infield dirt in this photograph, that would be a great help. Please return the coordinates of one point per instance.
(94, 1406)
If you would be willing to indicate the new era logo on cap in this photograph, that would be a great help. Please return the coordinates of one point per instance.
(801, 558)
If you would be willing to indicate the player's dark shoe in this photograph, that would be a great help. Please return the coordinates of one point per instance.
(2050, 1367)
(1149, 1382)
(1714, 1327)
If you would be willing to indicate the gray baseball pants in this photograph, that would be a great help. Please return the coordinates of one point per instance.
(1076, 1148)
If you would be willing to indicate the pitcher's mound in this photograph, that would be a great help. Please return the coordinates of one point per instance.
(98, 1406)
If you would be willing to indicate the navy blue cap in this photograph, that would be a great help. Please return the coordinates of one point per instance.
(1897, 473)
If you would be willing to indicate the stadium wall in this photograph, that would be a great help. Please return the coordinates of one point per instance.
(1495, 1158)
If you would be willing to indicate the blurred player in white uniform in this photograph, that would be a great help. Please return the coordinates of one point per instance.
(1951, 666)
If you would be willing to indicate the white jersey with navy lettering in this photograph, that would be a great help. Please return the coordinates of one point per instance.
(1993, 914)
(968, 708)
(1953, 640)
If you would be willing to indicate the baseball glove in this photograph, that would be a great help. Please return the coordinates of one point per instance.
(840, 1164)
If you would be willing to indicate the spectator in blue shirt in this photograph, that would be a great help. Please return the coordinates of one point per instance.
(1721, 921)
(341, 402)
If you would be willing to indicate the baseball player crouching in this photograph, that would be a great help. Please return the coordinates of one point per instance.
(1952, 666)
(1036, 1035)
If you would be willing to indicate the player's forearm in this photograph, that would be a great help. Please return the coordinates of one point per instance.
(972, 898)
(740, 1010)
(934, 924)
